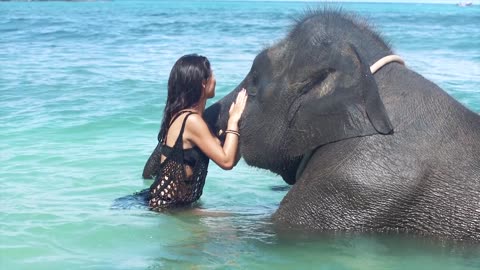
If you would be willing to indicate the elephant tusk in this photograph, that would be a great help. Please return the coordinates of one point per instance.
(385, 60)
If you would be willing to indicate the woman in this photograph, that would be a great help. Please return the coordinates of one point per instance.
(180, 161)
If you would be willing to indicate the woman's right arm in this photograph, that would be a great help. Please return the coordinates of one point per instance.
(225, 156)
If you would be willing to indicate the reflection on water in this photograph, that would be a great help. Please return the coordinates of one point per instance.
(137, 200)
(251, 242)
(247, 239)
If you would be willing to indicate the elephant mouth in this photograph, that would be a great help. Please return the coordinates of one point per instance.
(303, 163)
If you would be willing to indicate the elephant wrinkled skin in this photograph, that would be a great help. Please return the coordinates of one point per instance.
(389, 152)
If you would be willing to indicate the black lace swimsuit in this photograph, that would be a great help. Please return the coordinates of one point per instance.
(172, 188)
(190, 156)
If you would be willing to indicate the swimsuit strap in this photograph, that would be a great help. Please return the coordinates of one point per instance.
(179, 142)
(173, 120)
(177, 115)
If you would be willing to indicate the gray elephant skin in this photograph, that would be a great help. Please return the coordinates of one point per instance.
(389, 152)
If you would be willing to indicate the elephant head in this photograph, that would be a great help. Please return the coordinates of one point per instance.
(310, 89)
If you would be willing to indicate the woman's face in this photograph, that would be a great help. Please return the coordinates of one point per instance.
(210, 86)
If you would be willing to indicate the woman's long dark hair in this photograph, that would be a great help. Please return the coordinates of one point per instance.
(184, 87)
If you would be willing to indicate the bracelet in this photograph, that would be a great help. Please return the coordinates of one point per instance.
(233, 132)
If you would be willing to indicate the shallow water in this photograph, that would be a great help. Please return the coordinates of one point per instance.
(82, 88)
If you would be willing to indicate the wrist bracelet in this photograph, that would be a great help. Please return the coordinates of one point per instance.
(233, 132)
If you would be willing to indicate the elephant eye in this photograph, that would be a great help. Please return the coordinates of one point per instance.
(252, 91)
(317, 78)
(255, 78)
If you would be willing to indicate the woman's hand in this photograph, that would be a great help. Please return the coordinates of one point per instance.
(237, 107)
(226, 155)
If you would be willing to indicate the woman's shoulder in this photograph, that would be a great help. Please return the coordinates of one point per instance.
(195, 121)
(196, 127)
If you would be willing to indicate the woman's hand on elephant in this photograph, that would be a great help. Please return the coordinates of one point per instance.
(237, 107)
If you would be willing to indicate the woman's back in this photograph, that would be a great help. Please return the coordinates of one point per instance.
(177, 183)
(175, 128)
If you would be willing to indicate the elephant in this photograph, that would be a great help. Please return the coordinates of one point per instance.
(387, 152)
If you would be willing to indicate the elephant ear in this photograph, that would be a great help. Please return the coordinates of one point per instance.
(344, 104)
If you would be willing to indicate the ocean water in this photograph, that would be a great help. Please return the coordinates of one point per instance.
(82, 89)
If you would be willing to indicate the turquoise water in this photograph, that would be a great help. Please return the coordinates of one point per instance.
(82, 88)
